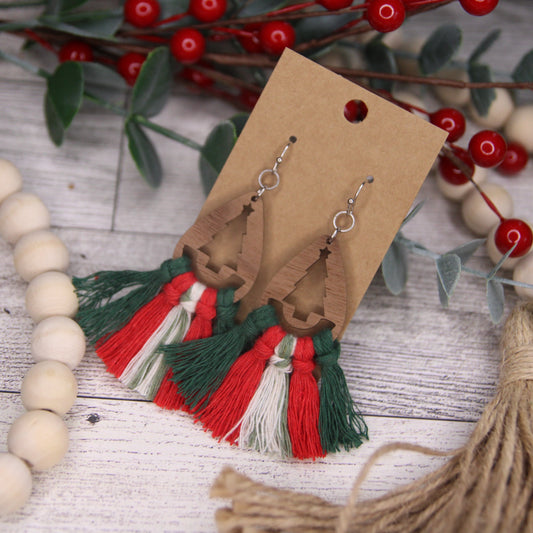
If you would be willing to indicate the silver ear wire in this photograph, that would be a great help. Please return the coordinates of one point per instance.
(273, 171)
(348, 212)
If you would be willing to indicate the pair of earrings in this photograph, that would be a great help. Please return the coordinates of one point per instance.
(171, 333)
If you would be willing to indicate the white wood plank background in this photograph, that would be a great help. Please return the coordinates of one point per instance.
(418, 372)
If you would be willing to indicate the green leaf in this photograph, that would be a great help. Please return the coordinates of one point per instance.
(394, 268)
(92, 24)
(523, 72)
(439, 49)
(260, 7)
(144, 154)
(500, 263)
(54, 124)
(239, 121)
(312, 28)
(481, 98)
(380, 58)
(55, 7)
(152, 88)
(443, 296)
(65, 91)
(465, 251)
(484, 45)
(103, 82)
(448, 272)
(215, 152)
(495, 300)
(172, 7)
(412, 213)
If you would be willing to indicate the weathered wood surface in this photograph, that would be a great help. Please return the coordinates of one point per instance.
(418, 372)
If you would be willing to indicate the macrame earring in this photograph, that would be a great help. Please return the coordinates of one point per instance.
(128, 314)
(256, 384)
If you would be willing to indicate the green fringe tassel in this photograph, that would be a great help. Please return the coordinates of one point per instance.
(100, 315)
(200, 366)
(340, 422)
(226, 311)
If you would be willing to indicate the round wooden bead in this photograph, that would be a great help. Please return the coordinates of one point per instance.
(22, 213)
(10, 179)
(49, 294)
(15, 488)
(38, 437)
(49, 385)
(58, 338)
(499, 111)
(38, 252)
(495, 255)
(523, 271)
(449, 95)
(519, 127)
(456, 193)
(477, 214)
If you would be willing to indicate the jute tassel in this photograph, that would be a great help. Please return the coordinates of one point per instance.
(485, 487)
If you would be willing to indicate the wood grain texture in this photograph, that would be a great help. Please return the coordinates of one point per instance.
(419, 373)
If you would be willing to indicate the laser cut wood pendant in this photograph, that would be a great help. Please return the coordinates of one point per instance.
(225, 246)
(309, 292)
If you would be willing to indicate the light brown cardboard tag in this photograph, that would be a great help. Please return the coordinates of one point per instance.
(325, 167)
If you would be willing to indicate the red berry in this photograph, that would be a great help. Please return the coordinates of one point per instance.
(251, 42)
(333, 5)
(207, 10)
(187, 45)
(450, 120)
(515, 159)
(355, 111)
(197, 77)
(75, 51)
(478, 7)
(248, 99)
(141, 13)
(514, 230)
(385, 15)
(487, 148)
(451, 173)
(275, 36)
(129, 66)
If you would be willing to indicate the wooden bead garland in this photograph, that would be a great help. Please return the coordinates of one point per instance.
(39, 438)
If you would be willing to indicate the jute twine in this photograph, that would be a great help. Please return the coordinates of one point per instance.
(486, 486)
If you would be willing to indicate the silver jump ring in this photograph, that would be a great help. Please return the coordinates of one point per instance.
(268, 187)
(338, 229)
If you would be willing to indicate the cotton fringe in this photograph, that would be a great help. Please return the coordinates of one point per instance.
(485, 487)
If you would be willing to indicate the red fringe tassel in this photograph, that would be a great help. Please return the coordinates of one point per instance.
(304, 403)
(228, 404)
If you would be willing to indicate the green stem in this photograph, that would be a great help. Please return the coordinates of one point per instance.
(28, 67)
(139, 119)
(107, 105)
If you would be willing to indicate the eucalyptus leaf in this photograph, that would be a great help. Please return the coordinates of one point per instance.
(91, 24)
(152, 88)
(65, 91)
(439, 48)
(144, 154)
(484, 45)
(467, 250)
(380, 58)
(103, 82)
(412, 213)
(215, 152)
(500, 263)
(168, 8)
(54, 124)
(443, 296)
(55, 7)
(394, 268)
(495, 300)
(309, 29)
(260, 7)
(481, 98)
(523, 72)
(239, 121)
(448, 271)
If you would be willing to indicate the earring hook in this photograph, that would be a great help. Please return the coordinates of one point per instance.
(273, 171)
(348, 212)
